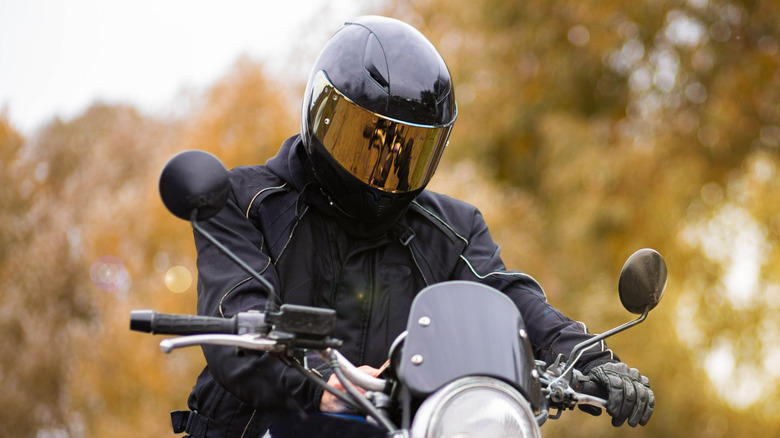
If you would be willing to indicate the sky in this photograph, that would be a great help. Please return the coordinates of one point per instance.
(59, 56)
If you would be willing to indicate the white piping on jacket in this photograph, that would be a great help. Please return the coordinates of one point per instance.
(466, 260)
(249, 207)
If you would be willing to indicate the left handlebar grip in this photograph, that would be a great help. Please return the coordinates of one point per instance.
(148, 321)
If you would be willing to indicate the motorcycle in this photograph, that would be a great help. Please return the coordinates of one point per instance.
(463, 366)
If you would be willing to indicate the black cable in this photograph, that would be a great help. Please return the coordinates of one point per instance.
(361, 401)
(270, 304)
(321, 383)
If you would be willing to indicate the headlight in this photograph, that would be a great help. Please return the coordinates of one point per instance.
(475, 407)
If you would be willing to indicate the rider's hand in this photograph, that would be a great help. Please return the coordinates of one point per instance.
(331, 403)
(630, 396)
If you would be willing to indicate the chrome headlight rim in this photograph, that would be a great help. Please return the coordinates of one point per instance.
(430, 412)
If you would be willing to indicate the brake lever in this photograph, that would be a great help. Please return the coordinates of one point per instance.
(247, 341)
(585, 399)
(587, 392)
(565, 393)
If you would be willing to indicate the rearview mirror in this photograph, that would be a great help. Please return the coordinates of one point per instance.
(194, 180)
(642, 281)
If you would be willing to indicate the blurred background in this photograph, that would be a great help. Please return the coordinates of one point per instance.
(586, 130)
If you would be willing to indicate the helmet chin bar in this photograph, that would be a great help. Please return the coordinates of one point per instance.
(373, 207)
(353, 198)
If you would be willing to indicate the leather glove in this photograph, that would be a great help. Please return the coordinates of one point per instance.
(630, 396)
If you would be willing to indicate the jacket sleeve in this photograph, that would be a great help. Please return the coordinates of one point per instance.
(224, 289)
(549, 330)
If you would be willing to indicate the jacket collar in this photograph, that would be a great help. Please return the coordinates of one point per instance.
(288, 164)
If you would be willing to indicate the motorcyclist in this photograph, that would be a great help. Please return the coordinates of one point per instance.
(340, 218)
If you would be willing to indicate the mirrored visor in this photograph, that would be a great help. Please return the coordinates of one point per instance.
(387, 154)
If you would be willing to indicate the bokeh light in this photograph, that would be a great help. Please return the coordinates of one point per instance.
(109, 274)
(178, 279)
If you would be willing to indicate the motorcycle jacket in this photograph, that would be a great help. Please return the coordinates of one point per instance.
(280, 221)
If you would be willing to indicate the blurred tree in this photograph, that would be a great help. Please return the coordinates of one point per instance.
(242, 119)
(59, 200)
(245, 116)
(86, 239)
(608, 127)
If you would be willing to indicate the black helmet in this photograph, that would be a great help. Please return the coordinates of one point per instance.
(377, 113)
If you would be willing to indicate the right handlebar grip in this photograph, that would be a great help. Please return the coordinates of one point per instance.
(590, 387)
(585, 385)
(148, 321)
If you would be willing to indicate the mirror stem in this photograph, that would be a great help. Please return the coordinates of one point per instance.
(582, 346)
(270, 305)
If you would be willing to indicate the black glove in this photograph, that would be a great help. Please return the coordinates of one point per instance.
(630, 396)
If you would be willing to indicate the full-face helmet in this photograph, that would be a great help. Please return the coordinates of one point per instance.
(377, 114)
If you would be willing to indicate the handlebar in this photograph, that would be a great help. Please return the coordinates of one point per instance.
(223, 331)
(353, 374)
(148, 321)
(588, 391)
(593, 389)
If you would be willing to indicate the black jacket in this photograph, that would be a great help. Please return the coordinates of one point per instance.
(278, 220)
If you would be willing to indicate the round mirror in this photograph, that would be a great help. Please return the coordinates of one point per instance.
(194, 180)
(642, 281)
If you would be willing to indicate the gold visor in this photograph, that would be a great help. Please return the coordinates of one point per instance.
(387, 154)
